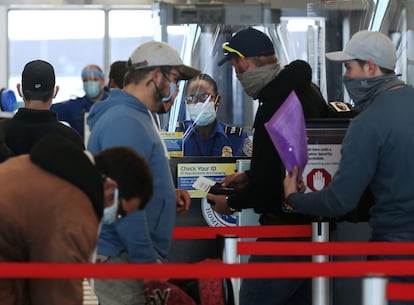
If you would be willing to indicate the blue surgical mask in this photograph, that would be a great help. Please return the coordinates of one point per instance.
(110, 213)
(202, 114)
(173, 86)
(92, 88)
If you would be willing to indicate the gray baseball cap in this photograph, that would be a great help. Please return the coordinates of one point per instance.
(368, 45)
(156, 54)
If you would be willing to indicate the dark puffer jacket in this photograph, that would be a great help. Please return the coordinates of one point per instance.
(264, 192)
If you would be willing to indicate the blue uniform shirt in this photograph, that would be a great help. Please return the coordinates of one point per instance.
(223, 135)
(72, 111)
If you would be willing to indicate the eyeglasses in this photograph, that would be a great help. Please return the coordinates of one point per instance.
(194, 99)
(229, 49)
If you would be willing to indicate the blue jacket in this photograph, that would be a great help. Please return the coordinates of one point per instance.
(122, 120)
(72, 111)
(223, 135)
(376, 152)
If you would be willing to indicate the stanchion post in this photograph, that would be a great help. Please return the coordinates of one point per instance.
(320, 285)
(374, 290)
(230, 257)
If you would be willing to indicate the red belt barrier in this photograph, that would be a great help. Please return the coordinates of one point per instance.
(400, 291)
(207, 270)
(325, 248)
(244, 232)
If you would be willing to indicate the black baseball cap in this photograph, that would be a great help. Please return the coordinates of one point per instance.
(247, 43)
(38, 76)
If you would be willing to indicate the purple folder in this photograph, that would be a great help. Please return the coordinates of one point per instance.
(287, 130)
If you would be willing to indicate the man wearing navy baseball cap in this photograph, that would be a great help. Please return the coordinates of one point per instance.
(262, 77)
(240, 46)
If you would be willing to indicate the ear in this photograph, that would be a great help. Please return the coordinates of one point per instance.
(217, 101)
(109, 187)
(19, 90)
(246, 63)
(156, 73)
(56, 91)
(154, 76)
(373, 69)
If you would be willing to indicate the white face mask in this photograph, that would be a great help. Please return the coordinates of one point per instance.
(92, 88)
(110, 213)
(202, 114)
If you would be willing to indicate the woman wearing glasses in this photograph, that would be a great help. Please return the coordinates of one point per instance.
(204, 135)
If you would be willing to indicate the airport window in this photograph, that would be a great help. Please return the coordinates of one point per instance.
(127, 30)
(71, 39)
(68, 39)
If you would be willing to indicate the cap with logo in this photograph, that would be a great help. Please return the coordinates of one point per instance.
(38, 75)
(157, 54)
(368, 45)
(247, 43)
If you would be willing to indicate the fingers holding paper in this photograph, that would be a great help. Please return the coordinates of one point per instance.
(237, 180)
(301, 186)
(292, 183)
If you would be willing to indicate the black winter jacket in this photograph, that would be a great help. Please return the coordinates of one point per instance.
(264, 192)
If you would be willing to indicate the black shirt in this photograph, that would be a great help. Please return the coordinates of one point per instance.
(28, 126)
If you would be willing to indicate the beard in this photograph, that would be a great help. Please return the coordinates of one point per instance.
(161, 109)
(157, 96)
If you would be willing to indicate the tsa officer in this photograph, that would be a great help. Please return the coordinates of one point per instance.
(204, 135)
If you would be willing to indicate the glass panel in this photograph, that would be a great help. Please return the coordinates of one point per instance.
(55, 37)
(304, 38)
(127, 30)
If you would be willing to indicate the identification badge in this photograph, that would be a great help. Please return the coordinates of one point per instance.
(203, 184)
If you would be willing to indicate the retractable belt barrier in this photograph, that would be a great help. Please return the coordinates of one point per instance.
(231, 234)
(324, 248)
(205, 270)
(400, 291)
(374, 272)
(243, 231)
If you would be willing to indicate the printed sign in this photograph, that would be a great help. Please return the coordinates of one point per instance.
(187, 174)
(322, 164)
(215, 219)
(174, 143)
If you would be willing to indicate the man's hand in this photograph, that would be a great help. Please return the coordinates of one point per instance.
(219, 204)
(183, 201)
(237, 180)
(291, 184)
